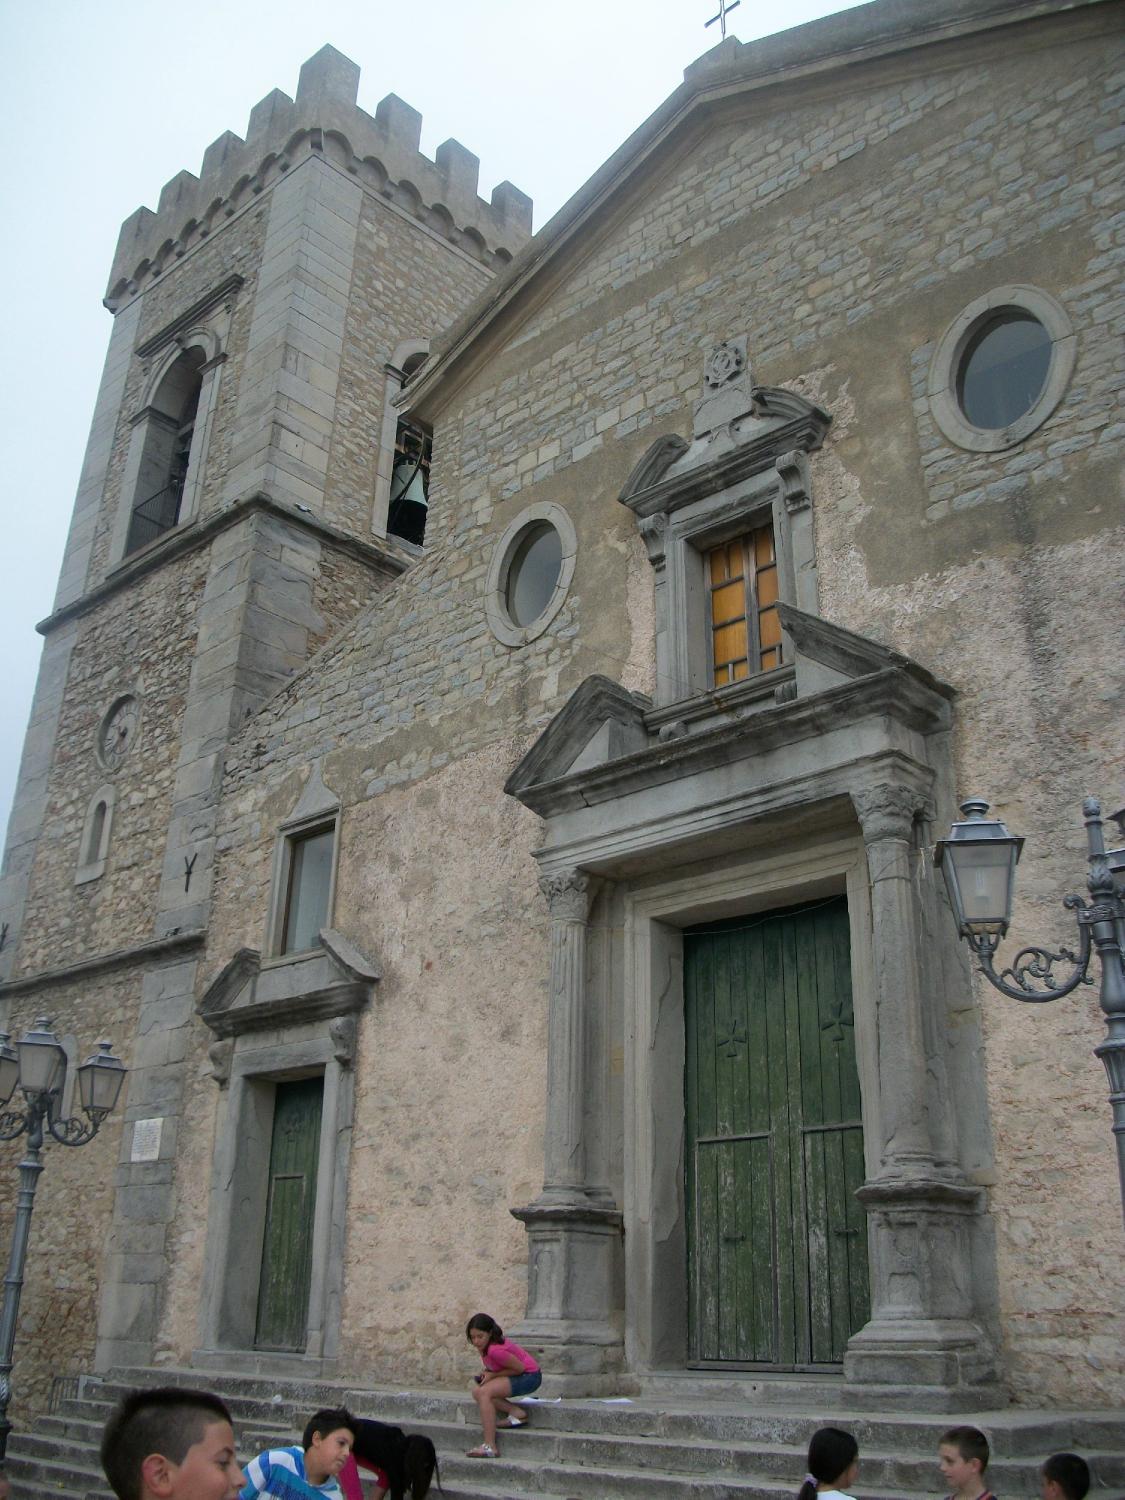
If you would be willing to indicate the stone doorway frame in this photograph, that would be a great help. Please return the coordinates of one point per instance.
(656, 911)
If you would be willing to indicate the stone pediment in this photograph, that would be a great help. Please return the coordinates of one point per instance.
(250, 994)
(750, 430)
(606, 742)
(602, 722)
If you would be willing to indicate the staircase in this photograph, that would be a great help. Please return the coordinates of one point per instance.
(721, 1439)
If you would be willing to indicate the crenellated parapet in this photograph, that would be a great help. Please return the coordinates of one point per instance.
(381, 150)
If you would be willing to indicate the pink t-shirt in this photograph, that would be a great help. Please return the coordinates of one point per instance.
(496, 1356)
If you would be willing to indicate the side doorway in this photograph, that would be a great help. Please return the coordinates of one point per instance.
(777, 1242)
(287, 1244)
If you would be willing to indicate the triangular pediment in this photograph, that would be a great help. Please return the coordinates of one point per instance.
(827, 655)
(248, 994)
(602, 722)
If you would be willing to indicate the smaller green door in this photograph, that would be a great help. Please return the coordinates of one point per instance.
(283, 1291)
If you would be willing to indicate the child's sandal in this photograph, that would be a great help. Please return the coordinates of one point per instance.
(483, 1451)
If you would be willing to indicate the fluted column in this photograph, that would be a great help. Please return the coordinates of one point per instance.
(925, 1341)
(886, 817)
(568, 897)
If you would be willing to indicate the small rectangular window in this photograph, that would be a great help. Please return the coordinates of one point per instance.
(307, 888)
(745, 630)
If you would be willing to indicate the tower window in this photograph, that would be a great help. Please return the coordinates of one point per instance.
(170, 429)
(410, 484)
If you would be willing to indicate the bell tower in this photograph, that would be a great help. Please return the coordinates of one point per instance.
(234, 512)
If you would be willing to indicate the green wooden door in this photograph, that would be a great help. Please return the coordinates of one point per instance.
(283, 1291)
(777, 1243)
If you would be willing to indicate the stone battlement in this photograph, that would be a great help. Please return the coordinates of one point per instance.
(324, 119)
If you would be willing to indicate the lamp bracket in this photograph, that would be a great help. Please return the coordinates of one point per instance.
(12, 1124)
(73, 1132)
(1033, 966)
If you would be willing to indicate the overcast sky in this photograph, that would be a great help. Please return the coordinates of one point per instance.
(107, 99)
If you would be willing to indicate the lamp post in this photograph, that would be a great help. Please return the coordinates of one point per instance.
(978, 860)
(37, 1064)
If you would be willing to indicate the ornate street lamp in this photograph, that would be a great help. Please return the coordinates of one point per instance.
(978, 860)
(37, 1065)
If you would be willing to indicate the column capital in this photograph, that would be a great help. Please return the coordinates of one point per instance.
(568, 895)
(888, 809)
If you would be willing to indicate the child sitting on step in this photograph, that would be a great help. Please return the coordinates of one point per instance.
(507, 1371)
(833, 1464)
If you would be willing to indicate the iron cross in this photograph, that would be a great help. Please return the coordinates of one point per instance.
(724, 12)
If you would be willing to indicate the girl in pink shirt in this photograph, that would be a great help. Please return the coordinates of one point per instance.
(507, 1371)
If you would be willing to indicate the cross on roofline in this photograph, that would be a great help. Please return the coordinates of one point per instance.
(724, 12)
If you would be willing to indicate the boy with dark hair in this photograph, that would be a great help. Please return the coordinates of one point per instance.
(1065, 1476)
(310, 1472)
(963, 1458)
(169, 1443)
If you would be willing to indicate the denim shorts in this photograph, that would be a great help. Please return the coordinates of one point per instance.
(523, 1385)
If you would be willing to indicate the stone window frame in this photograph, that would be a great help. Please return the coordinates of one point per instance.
(93, 851)
(204, 326)
(941, 385)
(290, 835)
(317, 811)
(682, 515)
(405, 353)
(503, 627)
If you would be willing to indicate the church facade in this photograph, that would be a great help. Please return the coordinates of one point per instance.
(500, 704)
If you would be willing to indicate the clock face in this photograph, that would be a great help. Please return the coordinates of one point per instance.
(118, 731)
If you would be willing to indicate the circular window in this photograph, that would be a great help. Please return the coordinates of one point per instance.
(1001, 368)
(530, 574)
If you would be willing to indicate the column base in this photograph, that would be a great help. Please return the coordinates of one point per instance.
(920, 1364)
(570, 1326)
(924, 1348)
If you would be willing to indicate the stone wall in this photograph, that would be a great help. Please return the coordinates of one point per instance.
(140, 644)
(74, 1199)
(842, 236)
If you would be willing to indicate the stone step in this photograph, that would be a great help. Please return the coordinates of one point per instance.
(667, 1444)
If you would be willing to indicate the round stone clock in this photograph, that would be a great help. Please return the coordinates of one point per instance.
(118, 732)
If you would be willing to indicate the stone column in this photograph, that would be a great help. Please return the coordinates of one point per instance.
(923, 1345)
(573, 1228)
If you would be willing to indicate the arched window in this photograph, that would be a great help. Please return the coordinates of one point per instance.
(94, 845)
(170, 421)
(402, 483)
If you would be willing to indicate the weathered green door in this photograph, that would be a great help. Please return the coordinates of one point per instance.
(283, 1292)
(777, 1243)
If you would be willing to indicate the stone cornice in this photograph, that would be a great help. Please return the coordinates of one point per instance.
(182, 540)
(818, 55)
(890, 693)
(166, 947)
(251, 994)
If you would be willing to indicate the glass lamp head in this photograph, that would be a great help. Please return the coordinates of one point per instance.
(9, 1069)
(978, 861)
(99, 1080)
(42, 1060)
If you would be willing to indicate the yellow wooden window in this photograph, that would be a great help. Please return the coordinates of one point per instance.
(745, 630)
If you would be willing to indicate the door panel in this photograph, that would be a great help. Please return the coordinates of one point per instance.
(777, 1243)
(283, 1291)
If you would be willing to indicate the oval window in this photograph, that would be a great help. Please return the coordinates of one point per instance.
(1003, 369)
(533, 573)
